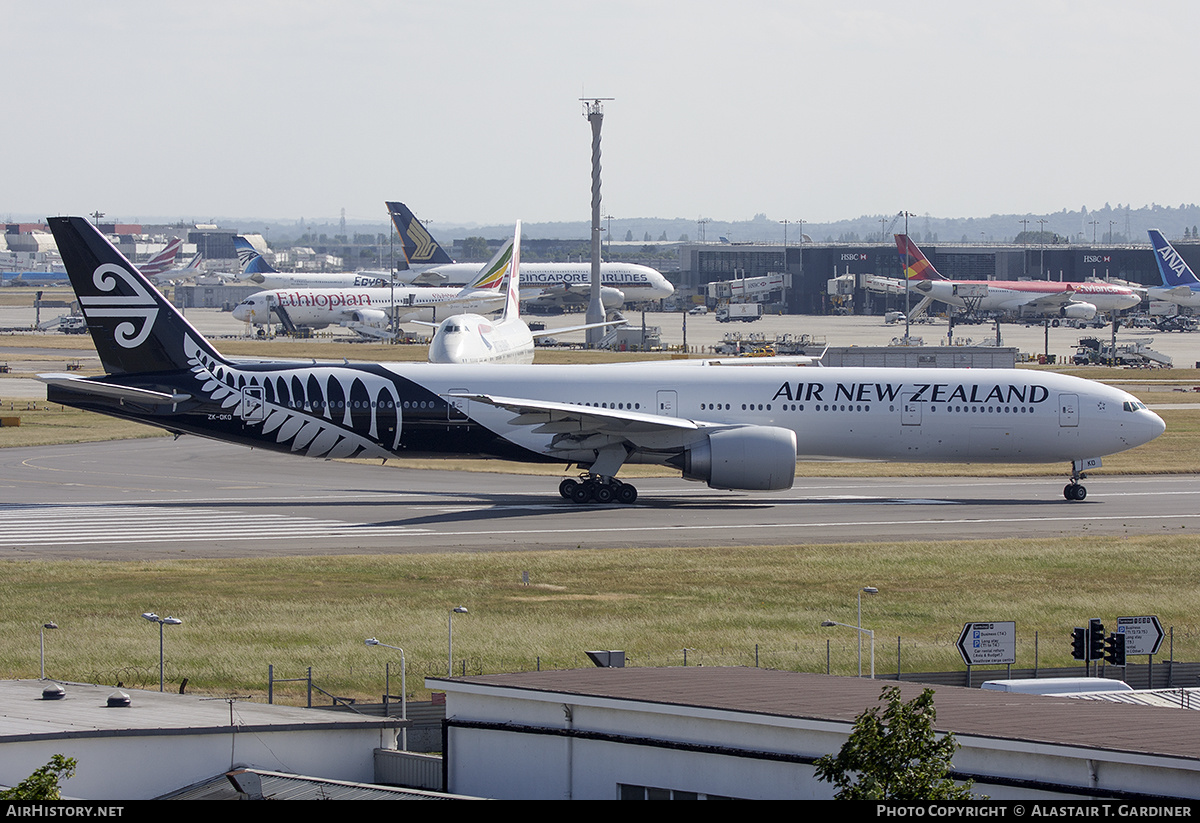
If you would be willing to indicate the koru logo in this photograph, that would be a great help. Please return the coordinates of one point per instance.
(138, 306)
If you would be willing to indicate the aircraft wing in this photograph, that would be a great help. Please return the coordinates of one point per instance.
(1048, 302)
(574, 422)
(584, 327)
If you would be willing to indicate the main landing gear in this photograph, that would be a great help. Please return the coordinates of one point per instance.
(593, 488)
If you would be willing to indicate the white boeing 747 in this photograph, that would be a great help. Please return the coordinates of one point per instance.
(472, 338)
(732, 427)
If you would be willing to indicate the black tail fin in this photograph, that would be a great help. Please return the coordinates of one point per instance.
(134, 328)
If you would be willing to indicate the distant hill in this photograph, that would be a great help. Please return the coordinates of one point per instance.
(1126, 224)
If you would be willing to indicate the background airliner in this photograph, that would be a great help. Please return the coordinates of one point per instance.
(256, 269)
(1020, 297)
(471, 338)
(730, 427)
(1179, 284)
(369, 311)
(541, 283)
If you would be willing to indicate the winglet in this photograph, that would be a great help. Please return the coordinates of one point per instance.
(420, 249)
(916, 265)
(1173, 269)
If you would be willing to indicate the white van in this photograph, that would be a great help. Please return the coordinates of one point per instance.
(1058, 685)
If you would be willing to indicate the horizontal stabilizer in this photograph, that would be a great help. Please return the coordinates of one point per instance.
(130, 393)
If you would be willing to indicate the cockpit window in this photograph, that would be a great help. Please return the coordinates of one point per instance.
(1133, 405)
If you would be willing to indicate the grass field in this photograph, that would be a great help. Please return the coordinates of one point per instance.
(725, 606)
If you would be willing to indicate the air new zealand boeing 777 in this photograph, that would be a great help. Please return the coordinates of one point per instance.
(730, 426)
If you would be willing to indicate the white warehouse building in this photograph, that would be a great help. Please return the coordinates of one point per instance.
(703, 732)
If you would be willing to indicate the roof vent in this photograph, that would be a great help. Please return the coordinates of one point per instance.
(53, 692)
(118, 700)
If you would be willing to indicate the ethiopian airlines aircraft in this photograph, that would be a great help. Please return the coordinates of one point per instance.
(730, 427)
(541, 283)
(370, 311)
(1020, 297)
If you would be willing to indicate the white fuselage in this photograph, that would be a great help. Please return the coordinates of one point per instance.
(636, 283)
(952, 415)
(272, 281)
(1179, 295)
(470, 338)
(318, 308)
(1024, 296)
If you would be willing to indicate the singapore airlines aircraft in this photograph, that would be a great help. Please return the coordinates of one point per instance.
(255, 269)
(541, 283)
(1180, 285)
(730, 427)
(471, 338)
(369, 311)
(1021, 297)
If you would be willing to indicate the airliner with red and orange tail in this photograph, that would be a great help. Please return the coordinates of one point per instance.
(1021, 297)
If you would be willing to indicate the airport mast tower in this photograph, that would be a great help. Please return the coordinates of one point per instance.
(595, 311)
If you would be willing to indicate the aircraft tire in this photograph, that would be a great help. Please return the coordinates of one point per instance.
(566, 487)
(602, 493)
(1074, 491)
(582, 493)
(626, 494)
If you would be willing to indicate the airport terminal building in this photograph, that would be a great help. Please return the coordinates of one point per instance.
(808, 267)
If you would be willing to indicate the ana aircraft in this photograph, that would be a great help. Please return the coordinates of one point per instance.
(256, 269)
(369, 311)
(1179, 284)
(541, 283)
(471, 338)
(730, 427)
(1021, 297)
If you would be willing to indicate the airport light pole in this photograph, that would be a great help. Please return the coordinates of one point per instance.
(161, 621)
(42, 644)
(1042, 249)
(371, 641)
(450, 638)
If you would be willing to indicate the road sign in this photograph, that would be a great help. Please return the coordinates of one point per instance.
(1143, 635)
(988, 644)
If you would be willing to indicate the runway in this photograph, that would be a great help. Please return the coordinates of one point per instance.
(147, 499)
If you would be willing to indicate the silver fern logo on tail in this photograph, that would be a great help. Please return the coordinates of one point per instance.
(137, 307)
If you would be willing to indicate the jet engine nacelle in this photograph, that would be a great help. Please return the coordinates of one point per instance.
(374, 318)
(748, 458)
(1078, 311)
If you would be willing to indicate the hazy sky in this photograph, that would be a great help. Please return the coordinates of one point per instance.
(469, 111)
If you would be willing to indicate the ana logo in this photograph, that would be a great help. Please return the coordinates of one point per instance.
(140, 305)
(1172, 260)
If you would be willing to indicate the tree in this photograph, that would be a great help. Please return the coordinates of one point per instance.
(895, 754)
(43, 783)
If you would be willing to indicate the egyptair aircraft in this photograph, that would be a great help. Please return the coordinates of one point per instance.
(256, 269)
(543, 283)
(472, 338)
(1020, 297)
(730, 427)
(1179, 284)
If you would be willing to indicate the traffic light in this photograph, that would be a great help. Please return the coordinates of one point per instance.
(1095, 639)
(1079, 643)
(1114, 649)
